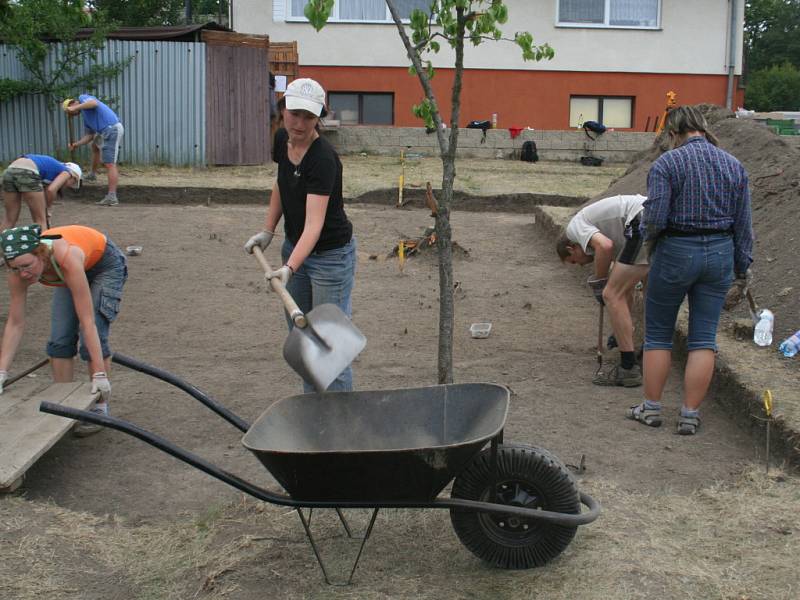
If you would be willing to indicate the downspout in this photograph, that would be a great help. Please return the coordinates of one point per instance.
(732, 55)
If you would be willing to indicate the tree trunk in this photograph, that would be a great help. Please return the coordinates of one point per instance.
(444, 244)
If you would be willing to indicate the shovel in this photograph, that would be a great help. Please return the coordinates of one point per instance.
(323, 341)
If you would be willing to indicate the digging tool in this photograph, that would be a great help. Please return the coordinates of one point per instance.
(71, 137)
(27, 371)
(599, 371)
(323, 341)
(751, 304)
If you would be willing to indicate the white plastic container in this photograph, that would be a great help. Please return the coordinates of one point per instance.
(762, 335)
(480, 330)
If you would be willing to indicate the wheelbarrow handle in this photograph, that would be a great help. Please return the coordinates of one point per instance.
(295, 314)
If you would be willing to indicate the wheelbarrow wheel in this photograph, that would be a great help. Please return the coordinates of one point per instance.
(528, 477)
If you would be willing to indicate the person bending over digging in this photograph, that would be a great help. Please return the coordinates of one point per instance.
(26, 178)
(88, 272)
(698, 216)
(319, 251)
(103, 129)
(607, 231)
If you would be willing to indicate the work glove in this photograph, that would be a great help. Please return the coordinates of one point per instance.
(284, 274)
(101, 384)
(3, 378)
(597, 284)
(261, 239)
(738, 290)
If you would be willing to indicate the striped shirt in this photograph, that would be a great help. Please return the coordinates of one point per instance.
(698, 186)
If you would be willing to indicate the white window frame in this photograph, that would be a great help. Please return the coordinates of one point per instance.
(334, 18)
(605, 24)
(600, 98)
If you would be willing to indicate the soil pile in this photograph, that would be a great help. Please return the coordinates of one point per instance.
(774, 169)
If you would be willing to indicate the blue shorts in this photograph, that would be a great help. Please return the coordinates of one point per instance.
(700, 267)
(108, 142)
(106, 280)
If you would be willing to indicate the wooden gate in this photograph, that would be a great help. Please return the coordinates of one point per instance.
(237, 98)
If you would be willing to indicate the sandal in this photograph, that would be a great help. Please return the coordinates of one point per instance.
(687, 425)
(644, 415)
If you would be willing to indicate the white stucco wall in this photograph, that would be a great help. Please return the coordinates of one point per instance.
(693, 39)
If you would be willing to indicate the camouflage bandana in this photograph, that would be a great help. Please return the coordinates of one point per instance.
(20, 240)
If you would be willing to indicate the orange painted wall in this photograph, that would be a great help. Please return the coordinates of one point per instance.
(538, 99)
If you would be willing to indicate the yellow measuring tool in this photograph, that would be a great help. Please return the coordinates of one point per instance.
(767, 399)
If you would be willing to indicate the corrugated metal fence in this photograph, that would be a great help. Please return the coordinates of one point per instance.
(160, 99)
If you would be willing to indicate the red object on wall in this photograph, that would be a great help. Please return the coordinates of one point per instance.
(537, 99)
(514, 131)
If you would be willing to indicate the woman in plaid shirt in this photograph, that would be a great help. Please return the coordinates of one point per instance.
(698, 216)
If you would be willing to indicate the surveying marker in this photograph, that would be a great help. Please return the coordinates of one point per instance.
(767, 399)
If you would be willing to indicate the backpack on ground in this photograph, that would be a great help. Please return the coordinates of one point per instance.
(529, 153)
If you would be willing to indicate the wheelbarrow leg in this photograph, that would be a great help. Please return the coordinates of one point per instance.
(345, 524)
(496, 441)
(342, 518)
(306, 523)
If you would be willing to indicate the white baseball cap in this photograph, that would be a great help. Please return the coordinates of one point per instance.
(305, 94)
(76, 172)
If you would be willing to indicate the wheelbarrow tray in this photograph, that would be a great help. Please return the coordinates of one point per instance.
(378, 445)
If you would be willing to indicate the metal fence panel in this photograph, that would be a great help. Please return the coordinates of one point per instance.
(160, 99)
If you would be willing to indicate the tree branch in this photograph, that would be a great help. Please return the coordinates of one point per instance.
(416, 60)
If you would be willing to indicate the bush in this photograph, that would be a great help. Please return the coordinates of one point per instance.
(775, 88)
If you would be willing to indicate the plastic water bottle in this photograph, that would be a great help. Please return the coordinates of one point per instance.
(763, 331)
(791, 345)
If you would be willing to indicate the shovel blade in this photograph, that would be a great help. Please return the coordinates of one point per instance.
(325, 348)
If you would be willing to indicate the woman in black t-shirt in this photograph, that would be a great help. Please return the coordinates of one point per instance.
(319, 252)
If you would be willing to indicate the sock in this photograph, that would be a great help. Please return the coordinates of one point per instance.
(650, 405)
(627, 359)
(111, 195)
(686, 412)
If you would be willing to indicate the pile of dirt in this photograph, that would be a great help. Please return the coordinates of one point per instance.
(774, 169)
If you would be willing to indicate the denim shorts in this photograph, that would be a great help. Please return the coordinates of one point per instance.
(325, 277)
(699, 267)
(109, 141)
(106, 280)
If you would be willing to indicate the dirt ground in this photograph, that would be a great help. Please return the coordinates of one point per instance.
(109, 517)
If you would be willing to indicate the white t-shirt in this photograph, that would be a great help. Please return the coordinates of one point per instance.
(609, 216)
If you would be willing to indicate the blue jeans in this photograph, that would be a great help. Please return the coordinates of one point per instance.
(325, 277)
(700, 267)
(106, 279)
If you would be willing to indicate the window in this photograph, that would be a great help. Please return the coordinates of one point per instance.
(611, 112)
(367, 11)
(641, 14)
(357, 108)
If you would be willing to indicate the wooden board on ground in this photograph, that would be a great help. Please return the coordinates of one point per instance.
(26, 433)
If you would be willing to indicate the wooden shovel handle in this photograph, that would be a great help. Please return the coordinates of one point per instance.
(295, 314)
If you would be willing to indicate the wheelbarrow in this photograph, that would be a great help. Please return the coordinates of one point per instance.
(514, 506)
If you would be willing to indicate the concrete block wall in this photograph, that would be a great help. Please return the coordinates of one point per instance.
(612, 146)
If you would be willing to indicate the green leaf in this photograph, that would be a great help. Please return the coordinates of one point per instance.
(318, 12)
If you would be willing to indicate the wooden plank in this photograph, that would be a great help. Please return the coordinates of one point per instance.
(26, 433)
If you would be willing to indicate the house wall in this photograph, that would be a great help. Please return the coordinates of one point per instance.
(688, 54)
(693, 39)
(525, 98)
